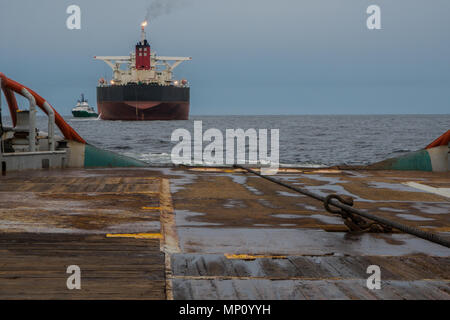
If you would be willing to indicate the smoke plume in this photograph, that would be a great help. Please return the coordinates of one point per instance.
(159, 8)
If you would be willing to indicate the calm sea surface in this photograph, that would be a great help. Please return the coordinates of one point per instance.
(304, 140)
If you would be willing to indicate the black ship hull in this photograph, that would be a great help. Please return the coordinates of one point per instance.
(143, 102)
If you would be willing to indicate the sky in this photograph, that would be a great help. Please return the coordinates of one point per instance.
(249, 56)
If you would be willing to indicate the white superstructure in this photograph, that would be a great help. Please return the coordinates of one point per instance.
(143, 66)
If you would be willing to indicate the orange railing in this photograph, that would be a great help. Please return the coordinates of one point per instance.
(10, 86)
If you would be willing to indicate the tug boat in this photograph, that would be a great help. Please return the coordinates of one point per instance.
(83, 110)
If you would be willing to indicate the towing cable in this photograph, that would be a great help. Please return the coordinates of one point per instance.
(354, 218)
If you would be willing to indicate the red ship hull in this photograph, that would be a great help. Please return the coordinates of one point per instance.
(143, 110)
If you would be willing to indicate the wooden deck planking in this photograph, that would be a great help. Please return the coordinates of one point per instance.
(33, 266)
(52, 222)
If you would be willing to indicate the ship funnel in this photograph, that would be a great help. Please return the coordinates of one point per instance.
(143, 51)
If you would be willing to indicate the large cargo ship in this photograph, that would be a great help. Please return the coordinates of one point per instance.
(144, 90)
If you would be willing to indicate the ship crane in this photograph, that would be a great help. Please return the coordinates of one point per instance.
(115, 61)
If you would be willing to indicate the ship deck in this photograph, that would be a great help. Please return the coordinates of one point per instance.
(208, 233)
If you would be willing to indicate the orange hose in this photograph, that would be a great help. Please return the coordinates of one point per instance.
(9, 84)
(441, 141)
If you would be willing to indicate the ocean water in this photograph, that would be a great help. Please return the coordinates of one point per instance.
(305, 140)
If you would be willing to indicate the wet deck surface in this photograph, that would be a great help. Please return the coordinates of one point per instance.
(217, 233)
